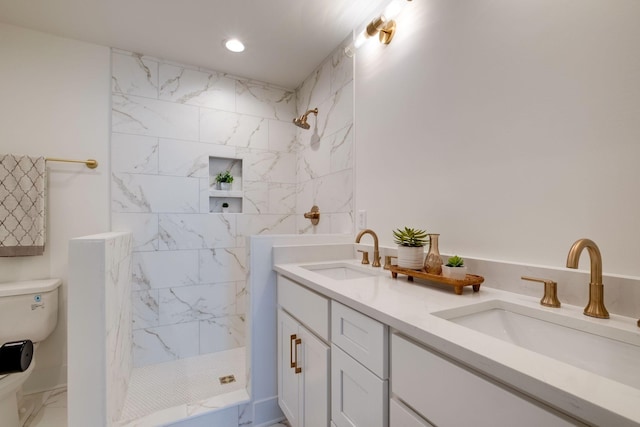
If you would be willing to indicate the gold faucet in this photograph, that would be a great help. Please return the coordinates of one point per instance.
(376, 249)
(595, 307)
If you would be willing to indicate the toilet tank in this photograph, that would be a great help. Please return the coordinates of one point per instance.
(28, 309)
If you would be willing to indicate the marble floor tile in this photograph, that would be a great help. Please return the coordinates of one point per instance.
(50, 408)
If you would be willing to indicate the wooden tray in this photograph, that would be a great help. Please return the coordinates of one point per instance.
(458, 285)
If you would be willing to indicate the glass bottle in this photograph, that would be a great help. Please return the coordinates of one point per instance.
(433, 261)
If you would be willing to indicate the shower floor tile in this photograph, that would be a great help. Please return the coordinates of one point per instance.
(188, 384)
(174, 390)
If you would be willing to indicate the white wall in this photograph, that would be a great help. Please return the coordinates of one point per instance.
(511, 128)
(55, 102)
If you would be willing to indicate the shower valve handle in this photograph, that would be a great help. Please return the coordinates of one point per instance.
(313, 215)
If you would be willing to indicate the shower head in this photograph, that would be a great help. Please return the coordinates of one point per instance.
(302, 120)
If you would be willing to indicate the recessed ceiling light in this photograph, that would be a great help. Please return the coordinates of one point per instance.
(234, 45)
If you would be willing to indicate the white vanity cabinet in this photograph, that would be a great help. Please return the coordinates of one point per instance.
(359, 369)
(446, 393)
(303, 355)
(401, 416)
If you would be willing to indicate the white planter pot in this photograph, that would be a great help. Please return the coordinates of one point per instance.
(458, 273)
(225, 186)
(411, 257)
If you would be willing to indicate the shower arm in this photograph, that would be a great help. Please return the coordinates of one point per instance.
(302, 120)
(305, 115)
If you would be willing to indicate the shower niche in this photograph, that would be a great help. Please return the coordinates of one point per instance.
(233, 196)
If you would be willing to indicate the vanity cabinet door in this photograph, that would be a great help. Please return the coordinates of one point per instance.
(303, 374)
(288, 381)
(314, 361)
(358, 397)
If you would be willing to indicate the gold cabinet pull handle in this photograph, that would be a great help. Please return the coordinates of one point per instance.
(298, 369)
(291, 340)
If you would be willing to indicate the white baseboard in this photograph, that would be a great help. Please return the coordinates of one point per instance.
(266, 412)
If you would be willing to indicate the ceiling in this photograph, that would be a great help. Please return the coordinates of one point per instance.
(285, 39)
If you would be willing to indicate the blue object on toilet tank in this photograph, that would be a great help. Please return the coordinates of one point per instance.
(15, 356)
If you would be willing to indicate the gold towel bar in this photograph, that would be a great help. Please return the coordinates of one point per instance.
(90, 163)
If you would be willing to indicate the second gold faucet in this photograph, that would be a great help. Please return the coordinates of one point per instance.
(595, 307)
(376, 249)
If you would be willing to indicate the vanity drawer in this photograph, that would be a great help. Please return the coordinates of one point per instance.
(309, 308)
(437, 388)
(363, 338)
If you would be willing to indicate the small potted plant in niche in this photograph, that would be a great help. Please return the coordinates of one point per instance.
(224, 180)
(455, 268)
(410, 243)
(225, 207)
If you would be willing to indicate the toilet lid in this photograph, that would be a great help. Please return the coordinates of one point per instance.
(26, 287)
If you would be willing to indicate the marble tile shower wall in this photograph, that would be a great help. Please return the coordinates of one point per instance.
(325, 154)
(189, 266)
(100, 364)
(118, 322)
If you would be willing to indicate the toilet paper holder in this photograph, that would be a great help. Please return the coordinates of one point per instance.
(15, 356)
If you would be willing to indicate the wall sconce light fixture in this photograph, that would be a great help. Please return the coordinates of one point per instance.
(384, 25)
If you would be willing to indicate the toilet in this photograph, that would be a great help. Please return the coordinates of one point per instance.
(28, 310)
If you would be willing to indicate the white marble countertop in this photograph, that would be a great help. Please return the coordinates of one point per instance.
(408, 306)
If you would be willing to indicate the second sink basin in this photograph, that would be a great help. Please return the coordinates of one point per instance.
(598, 348)
(340, 271)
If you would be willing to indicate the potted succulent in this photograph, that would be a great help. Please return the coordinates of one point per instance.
(410, 243)
(225, 207)
(224, 180)
(455, 268)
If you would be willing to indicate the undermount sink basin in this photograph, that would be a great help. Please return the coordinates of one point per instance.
(598, 348)
(340, 271)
